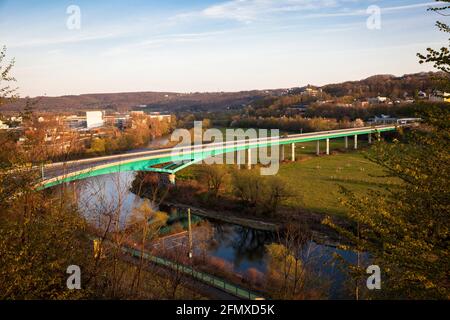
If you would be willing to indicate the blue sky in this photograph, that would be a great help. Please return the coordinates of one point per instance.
(232, 45)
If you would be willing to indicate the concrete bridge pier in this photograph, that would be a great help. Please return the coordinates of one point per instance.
(249, 151)
(346, 142)
(74, 191)
(356, 141)
(172, 179)
(328, 147)
(370, 138)
(42, 172)
(318, 147)
(293, 152)
(238, 160)
(282, 153)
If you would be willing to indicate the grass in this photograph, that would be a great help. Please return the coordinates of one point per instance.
(315, 180)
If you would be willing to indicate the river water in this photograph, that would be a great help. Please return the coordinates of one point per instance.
(241, 247)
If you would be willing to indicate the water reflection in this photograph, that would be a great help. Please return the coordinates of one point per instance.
(107, 195)
(243, 247)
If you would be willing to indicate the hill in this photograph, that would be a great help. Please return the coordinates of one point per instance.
(385, 85)
(157, 101)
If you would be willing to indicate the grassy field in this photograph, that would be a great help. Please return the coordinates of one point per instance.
(315, 180)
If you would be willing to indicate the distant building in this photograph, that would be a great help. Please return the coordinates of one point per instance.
(422, 95)
(377, 100)
(438, 96)
(386, 119)
(75, 122)
(311, 91)
(383, 119)
(16, 119)
(3, 126)
(94, 119)
(160, 117)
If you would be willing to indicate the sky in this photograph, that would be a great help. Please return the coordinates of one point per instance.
(75, 47)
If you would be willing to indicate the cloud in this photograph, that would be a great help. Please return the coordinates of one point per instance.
(251, 10)
(61, 40)
(161, 41)
(247, 11)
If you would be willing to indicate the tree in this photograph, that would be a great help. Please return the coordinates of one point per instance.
(440, 58)
(214, 176)
(6, 91)
(263, 193)
(145, 223)
(98, 146)
(406, 228)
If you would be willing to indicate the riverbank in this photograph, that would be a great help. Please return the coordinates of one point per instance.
(228, 217)
(319, 233)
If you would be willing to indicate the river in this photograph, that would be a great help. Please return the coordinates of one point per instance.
(241, 247)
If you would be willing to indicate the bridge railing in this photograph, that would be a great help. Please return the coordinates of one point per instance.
(120, 157)
(201, 276)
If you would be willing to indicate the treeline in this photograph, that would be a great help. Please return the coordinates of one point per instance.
(296, 124)
(387, 85)
(342, 113)
(142, 131)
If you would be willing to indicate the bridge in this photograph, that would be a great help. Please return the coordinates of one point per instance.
(171, 160)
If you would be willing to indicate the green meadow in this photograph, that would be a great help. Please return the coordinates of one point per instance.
(315, 180)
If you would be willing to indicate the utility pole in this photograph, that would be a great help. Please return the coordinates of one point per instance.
(190, 233)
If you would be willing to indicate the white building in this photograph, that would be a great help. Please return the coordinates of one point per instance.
(422, 95)
(3, 126)
(94, 119)
(377, 100)
(160, 117)
(438, 96)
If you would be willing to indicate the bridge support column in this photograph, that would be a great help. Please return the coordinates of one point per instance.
(328, 147)
(346, 142)
(370, 138)
(293, 152)
(249, 151)
(356, 141)
(75, 191)
(172, 179)
(282, 152)
(318, 147)
(238, 159)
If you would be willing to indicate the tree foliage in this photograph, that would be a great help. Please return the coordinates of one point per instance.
(263, 193)
(406, 228)
(7, 92)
